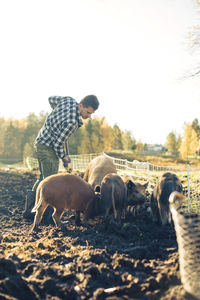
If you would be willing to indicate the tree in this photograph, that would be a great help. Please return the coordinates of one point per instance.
(96, 138)
(92, 139)
(196, 127)
(106, 133)
(89, 138)
(173, 143)
(28, 151)
(12, 142)
(128, 141)
(74, 142)
(139, 146)
(33, 125)
(117, 142)
(18, 136)
(194, 44)
(85, 144)
(3, 125)
(190, 143)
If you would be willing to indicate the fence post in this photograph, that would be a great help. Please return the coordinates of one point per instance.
(28, 163)
(126, 165)
(148, 171)
(188, 179)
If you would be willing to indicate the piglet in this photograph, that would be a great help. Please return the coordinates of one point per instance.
(113, 196)
(64, 192)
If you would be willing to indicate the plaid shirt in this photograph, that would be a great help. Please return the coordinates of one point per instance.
(64, 119)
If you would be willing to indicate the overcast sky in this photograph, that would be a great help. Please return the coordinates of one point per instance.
(130, 53)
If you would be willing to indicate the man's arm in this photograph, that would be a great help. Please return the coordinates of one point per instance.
(66, 160)
(53, 101)
(64, 134)
(66, 148)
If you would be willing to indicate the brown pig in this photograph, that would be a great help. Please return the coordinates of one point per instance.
(166, 184)
(64, 192)
(135, 192)
(98, 168)
(113, 195)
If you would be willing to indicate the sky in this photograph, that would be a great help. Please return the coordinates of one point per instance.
(132, 54)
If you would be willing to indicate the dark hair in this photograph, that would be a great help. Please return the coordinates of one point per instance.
(90, 100)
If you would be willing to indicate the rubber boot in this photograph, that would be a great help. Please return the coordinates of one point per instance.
(29, 204)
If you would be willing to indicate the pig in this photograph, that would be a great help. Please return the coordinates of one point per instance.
(136, 195)
(176, 199)
(98, 168)
(113, 195)
(64, 192)
(159, 202)
(137, 186)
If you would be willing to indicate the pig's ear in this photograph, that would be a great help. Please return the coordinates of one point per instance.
(145, 184)
(97, 188)
(130, 184)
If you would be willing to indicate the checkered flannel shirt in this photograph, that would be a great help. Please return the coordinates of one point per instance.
(64, 119)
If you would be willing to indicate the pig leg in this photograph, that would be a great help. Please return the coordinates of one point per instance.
(77, 218)
(57, 214)
(155, 214)
(108, 218)
(164, 214)
(118, 217)
(107, 214)
(85, 221)
(38, 214)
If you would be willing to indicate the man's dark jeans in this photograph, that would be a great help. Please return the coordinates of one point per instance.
(48, 165)
(48, 162)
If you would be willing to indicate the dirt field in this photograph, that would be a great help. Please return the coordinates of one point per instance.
(138, 260)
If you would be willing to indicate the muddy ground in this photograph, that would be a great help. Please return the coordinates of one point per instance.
(138, 260)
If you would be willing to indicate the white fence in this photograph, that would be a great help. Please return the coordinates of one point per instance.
(80, 162)
(124, 167)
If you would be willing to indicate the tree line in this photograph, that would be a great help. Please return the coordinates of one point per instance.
(96, 135)
(188, 145)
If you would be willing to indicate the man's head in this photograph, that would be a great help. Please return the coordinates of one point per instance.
(88, 105)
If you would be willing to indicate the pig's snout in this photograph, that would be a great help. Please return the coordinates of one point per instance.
(135, 198)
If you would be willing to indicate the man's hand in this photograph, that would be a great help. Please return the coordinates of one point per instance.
(66, 160)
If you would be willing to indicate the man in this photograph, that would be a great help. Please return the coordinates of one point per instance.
(51, 143)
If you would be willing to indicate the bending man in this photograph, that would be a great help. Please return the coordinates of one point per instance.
(51, 143)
